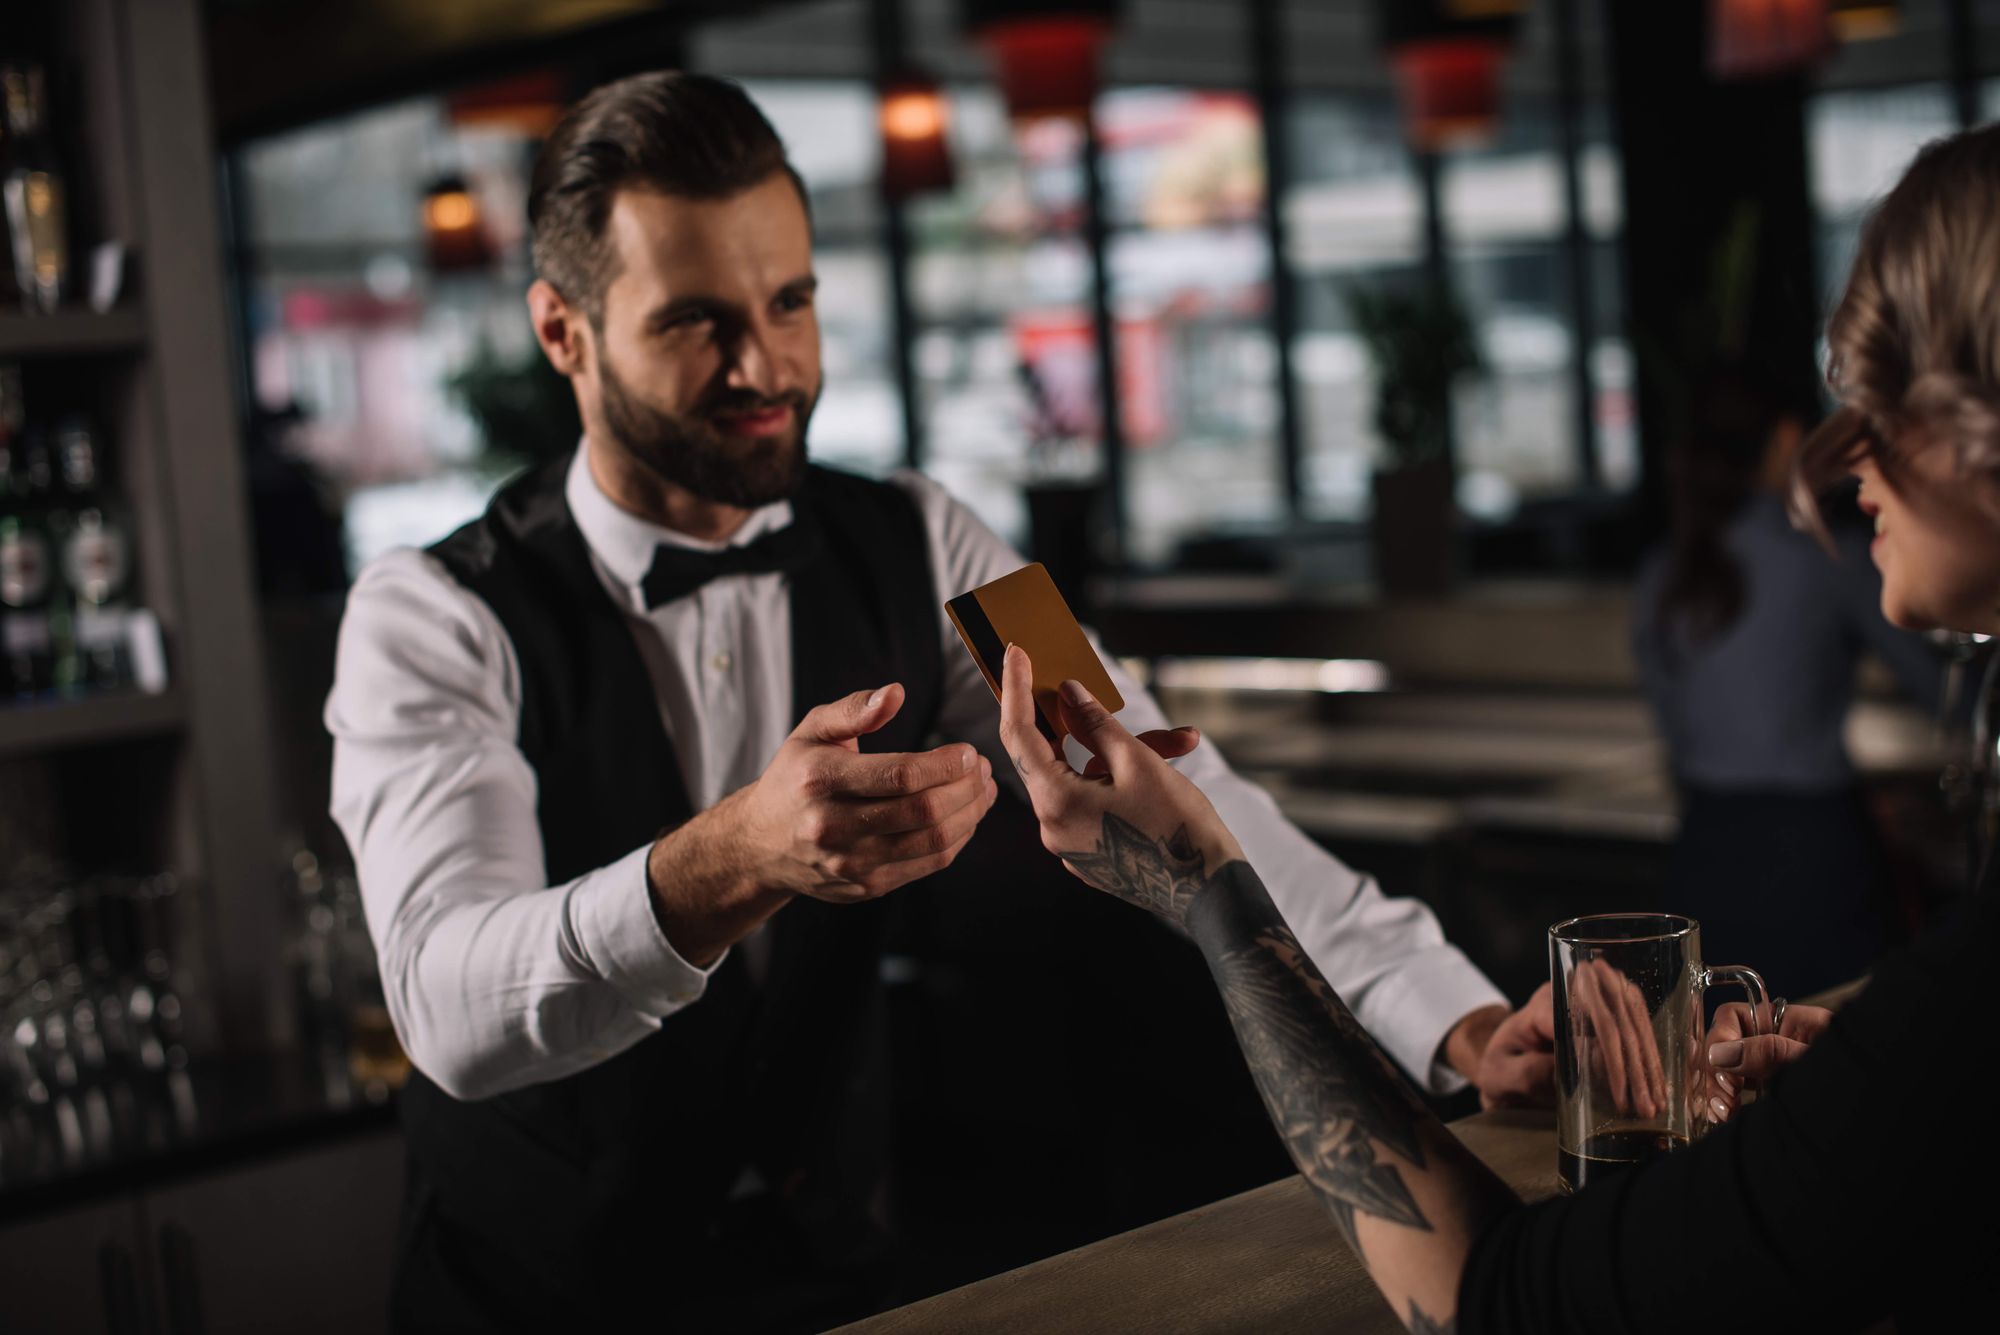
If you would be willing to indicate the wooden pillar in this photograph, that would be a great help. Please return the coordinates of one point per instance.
(1718, 225)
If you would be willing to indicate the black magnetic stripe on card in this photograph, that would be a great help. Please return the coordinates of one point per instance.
(986, 642)
(980, 634)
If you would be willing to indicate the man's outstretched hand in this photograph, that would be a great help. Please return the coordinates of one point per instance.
(1517, 1068)
(823, 820)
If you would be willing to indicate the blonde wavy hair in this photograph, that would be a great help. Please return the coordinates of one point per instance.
(1914, 345)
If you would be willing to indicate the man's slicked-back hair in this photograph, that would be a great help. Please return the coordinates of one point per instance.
(683, 134)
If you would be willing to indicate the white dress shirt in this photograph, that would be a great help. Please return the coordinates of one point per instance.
(497, 980)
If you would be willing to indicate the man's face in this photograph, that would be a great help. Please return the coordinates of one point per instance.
(708, 366)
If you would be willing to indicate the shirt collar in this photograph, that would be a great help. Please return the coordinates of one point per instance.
(623, 542)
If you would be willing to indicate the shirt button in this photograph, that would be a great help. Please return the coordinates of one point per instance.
(721, 662)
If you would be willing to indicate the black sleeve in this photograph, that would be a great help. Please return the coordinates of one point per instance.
(1822, 1206)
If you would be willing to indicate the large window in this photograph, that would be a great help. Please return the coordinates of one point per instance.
(1006, 350)
(1878, 102)
(1005, 358)
(1190, 266)
(352, 328)
(1505, 218)
(1860, 141)
(353, 324)
(1354, 218)
(1535, 276)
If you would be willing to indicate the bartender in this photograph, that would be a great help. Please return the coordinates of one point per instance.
(629, 764)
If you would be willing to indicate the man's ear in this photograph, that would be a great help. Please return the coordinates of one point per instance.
(560, 328)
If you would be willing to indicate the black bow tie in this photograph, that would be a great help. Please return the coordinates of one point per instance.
(679, 571)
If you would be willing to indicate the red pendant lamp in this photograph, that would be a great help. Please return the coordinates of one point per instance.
(1046, 52)
(1763, 39)
(454, 232)
(1859, 20)
(528, 104)
(1447, 56)
(915, 119)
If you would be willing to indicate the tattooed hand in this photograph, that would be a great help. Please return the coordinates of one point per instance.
(1130, 824)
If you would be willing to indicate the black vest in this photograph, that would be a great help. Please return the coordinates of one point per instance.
(614, 1185)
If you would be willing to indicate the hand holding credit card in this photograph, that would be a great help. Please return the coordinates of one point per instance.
(1025, 608)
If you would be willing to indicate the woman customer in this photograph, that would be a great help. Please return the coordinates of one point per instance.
(1854, 1188)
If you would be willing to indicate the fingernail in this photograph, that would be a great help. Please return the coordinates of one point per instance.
(876, 698)
(1726, 1056)
(967, 759)
(1073, 693)
(1012, 649)
(986, 767)
(1718, 1110)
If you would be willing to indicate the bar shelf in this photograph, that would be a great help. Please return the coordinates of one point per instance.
(38, 728)
(71, 333)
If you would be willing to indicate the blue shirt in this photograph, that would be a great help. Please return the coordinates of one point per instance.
(1762, 705)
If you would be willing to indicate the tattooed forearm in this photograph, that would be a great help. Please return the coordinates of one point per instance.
(1335, 1100)
(1343, 1111)
(1361, 1136)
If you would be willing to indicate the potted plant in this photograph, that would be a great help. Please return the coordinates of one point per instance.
(1419, 343)
(524, 408)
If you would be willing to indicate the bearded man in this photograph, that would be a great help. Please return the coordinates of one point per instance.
(629, 764)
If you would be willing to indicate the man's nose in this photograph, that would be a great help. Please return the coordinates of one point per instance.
(753, 366)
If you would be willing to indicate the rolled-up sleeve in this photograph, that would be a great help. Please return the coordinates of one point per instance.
(494, 978)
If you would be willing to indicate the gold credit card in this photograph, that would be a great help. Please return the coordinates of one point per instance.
(1025, 608)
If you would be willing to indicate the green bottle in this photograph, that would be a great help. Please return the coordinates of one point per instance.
(24, 607)
(96, 564)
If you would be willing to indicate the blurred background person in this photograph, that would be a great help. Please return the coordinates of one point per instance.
(1749, 639)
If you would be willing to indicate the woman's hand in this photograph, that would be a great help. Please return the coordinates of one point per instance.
(1735, 1059)
(1130, 824)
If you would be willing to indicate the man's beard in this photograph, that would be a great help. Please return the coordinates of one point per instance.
(687, 450)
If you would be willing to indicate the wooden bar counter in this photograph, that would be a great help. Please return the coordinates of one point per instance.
(1268, 1261)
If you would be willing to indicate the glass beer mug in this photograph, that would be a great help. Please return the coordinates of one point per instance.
(1632, 1073)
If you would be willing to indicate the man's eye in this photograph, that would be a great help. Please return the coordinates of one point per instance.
(794, 301)
(687, 320)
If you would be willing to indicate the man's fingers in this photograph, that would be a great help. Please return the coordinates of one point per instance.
(842, 721)
(1033, 754)
(1518, 1078)
(929, 840)
(897, 774)
(896, 875)
(1092, 725)
(918, 811)
(1540, 1014)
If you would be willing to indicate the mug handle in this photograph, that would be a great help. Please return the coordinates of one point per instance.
(1752, 983)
